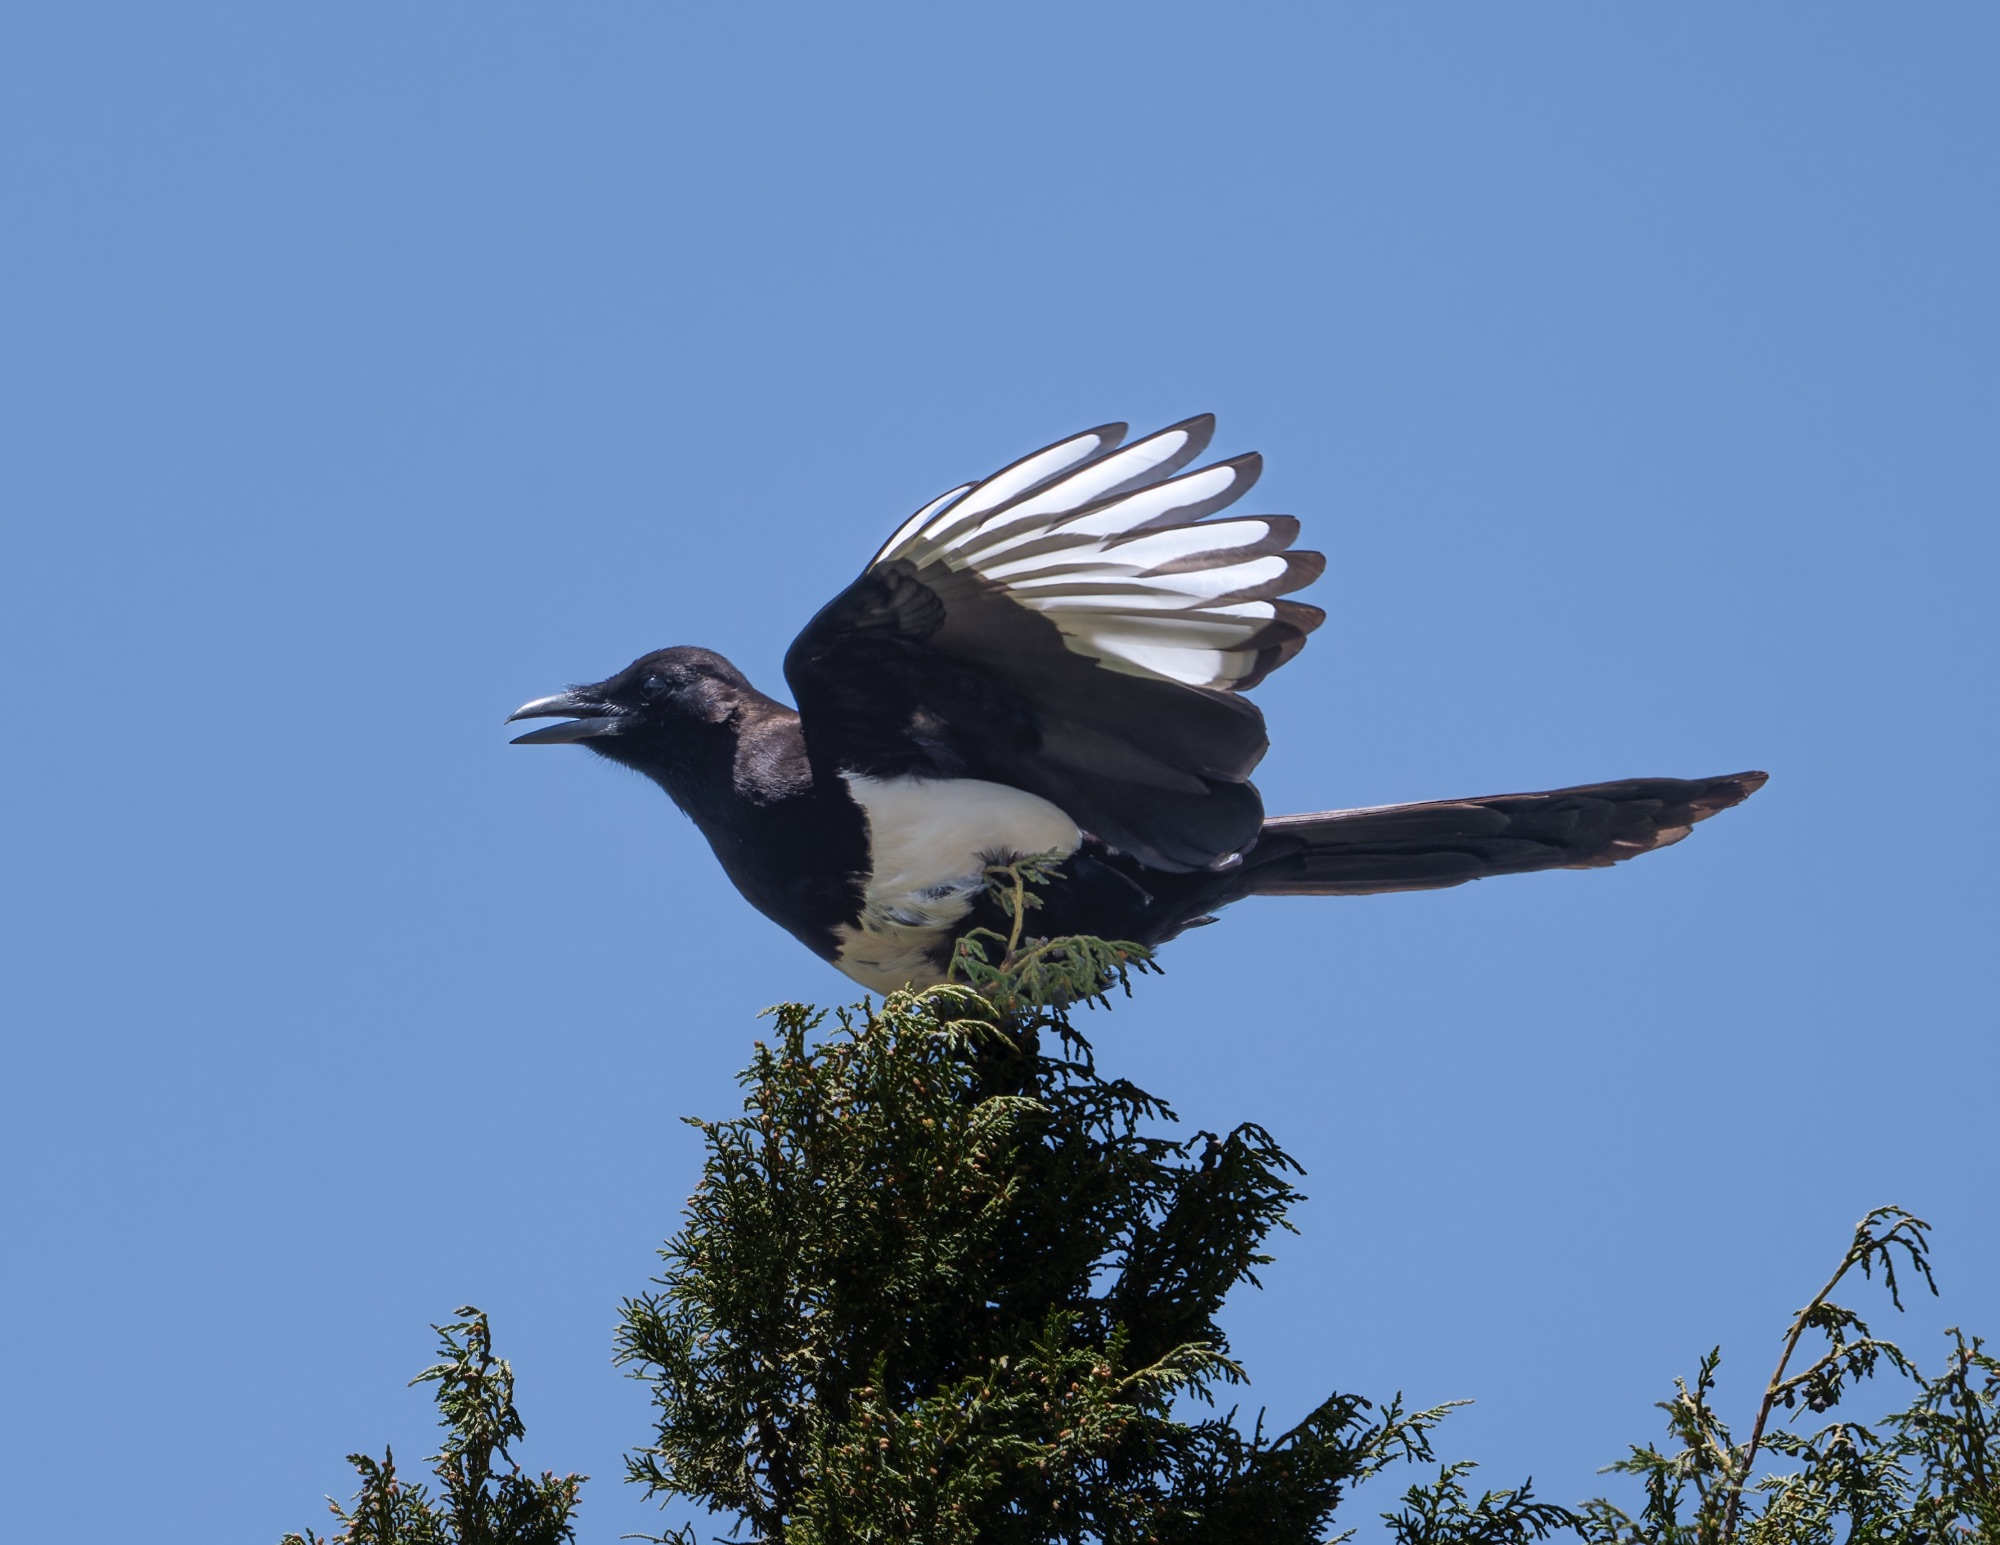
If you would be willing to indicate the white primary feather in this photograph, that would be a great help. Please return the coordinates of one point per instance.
(1105, 475)
(1160, 502)
(1191, 667)
(1137, 554)
(1001, 488)
(1102, 543)
(1056, 516)
(916, 522)
(1122, 586)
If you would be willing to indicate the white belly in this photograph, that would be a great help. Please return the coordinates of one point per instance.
(929, 842)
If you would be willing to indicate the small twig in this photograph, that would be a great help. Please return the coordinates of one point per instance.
(1020, 911)
(1739, 1478)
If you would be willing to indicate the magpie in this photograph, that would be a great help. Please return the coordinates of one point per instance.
(1053, 660)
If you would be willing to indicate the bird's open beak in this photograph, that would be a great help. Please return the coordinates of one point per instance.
(586, 719)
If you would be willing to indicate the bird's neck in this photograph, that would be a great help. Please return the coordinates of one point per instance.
(795, 846)
(725, 773)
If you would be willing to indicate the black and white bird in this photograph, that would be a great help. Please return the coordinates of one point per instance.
(1053, 659)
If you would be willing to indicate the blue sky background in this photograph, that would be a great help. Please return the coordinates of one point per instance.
(369, 370)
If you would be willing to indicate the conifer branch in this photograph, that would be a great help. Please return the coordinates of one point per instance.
(483, 1502)
(1868, 1248)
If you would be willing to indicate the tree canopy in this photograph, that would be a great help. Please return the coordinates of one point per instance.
(944, 1280)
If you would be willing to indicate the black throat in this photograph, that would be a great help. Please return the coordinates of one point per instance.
(795, 845)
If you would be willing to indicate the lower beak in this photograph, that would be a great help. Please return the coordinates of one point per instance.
(586, 720)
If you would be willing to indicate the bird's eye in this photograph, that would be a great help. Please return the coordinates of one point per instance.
(653, 688)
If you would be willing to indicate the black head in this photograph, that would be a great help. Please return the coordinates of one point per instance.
(646, 714)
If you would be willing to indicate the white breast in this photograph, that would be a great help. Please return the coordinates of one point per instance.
(929, 842)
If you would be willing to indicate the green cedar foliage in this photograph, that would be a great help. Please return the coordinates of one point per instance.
(482, 1502)
(1019, 976)
(1926, 1474)
(944, 1282)
(940, 1284)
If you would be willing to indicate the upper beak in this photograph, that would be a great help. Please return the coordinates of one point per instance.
(587, 719)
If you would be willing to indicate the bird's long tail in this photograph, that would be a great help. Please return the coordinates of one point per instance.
(1450, 841)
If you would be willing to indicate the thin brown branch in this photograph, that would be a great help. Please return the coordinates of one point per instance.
(1856, 1252)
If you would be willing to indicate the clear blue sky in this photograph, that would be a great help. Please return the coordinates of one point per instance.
(369, 370)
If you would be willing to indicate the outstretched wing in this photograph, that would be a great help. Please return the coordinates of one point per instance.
(1077, 626)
